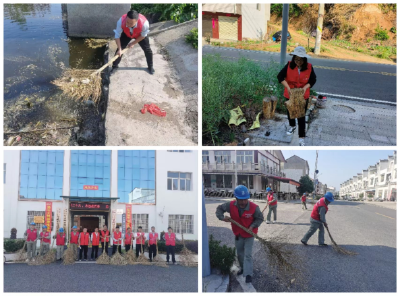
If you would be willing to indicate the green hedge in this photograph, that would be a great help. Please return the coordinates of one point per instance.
(13, 245)
(221, 257)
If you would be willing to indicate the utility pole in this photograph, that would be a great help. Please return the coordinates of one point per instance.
(205, 249)
(235, 164)
(321, 12)
(315, 174)
(285, 23)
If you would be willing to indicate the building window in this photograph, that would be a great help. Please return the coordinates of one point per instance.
(31, 218)
(179, 181)
(244, 157)
(140, 220)
(207, 181)
(181, 223)
(382, 177)
(224, 181)
(4, 173)
(136, 176)
(41, 174)
(180, 151)
(222, 156)
(93, 168)
(205, 157)
(388, 177)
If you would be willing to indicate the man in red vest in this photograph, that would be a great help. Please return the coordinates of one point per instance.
(272, 205)
(140, 240)
(74, 241)
(31, 236)
(133, 25)
(129, 237)
(249, 215)
(318, 219)
(60, 243)
(45, 239)
(170, 239)
(84, 239)
(117, 240)
(152, 243)
(95, 243)
(303, 201)
(105, 238)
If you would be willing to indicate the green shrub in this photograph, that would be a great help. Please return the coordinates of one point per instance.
(221, 257)
(381, 34)
(388, 7)
(393, 30)
(13, 245)
(192, 38)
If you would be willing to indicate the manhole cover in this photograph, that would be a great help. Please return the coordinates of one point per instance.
(343, 109)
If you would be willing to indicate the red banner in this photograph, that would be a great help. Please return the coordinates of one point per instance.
(128, 211)
(90, 187)
(47, 217)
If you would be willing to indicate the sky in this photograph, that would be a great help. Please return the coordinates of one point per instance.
(337, 166)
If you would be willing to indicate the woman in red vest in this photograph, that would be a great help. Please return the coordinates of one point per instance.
(133, 25)
(84, 239)
(95, 243)
(298, 73)
(170, 238)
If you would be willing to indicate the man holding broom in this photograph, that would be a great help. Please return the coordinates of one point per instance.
(140, 240)
(272, 203)
(152, 243)
(318, 220)
(249, 215)
(133, 25)
(74, 241)
(45, 239)
(129, 237)
(117, 240)
(31, 236)
(170, 239)
(105, 238)
(303, 202)
(60, 243)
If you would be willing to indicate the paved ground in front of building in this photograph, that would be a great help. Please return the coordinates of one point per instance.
(99, 278)
(366, 229)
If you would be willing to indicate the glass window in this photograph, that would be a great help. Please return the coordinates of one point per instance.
(181, 223)
(222, 156)
(179, 181)
(30, 218)
(205, 157)
(136, 176)
(90, 167)
(207, 181)
(244, 157)
(140, 220)
(41, 174)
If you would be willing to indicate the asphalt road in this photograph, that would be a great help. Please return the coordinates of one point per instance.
(99, 278)
(366, 229)
(337, 77)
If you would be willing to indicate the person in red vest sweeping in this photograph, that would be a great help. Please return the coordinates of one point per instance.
(318, 219)
(140, 240)
(60, 243)
(272, 205)
(74, 241)
(45, 240)
(303, 201)
(133, 25)
(152, 243)
(117, 240)
(95, 239)
(84, 239)
(105, 238)
(298, 73)
(170, 239)
(249, 215)
(128, 239)
(31, 236)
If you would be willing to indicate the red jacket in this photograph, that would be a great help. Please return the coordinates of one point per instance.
(84, 239)
(246, 219)
(60, 239)
(136, 31)
(31, 235)
(271, 197)
(95, 238)
(74, 237)
(297, 81)
(45, 237)
(170, 239)
(314, 212)
(153, 238)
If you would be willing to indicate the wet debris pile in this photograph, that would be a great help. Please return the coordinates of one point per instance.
(96, 43)
(338, 248)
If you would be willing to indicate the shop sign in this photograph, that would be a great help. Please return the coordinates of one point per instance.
(90, 187)
(89, 206)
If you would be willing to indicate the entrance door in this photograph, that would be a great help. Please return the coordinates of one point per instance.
(90, 220)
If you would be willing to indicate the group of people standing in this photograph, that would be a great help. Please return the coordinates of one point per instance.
(81, 241)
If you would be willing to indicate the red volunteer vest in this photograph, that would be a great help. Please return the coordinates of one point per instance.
(136, 31)
(271, 197)
(297, 81)
(170, 239)
(31, 235)
(60, 239)
(103, 234)
(246, 219)
(95, 239)
(74, 237)
(153, 238)
(303, 198)
(45, 236)
(116, 237)
(140, 241)
(128, 239)
(315, 213)
(84, 239)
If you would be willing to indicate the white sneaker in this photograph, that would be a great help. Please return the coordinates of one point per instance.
(291, 130)
(33, 259)
(27, 260)
(268, 222)
(273, 222)
(301, 142)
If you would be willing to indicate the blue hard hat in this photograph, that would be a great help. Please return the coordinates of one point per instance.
(33, 223)
(329, 197)
(44, 226)
(61, 229)
(74, 227)
(269, 189)
(241, 192)
(304, 193)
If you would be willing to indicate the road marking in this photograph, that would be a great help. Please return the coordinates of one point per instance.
(357, 98)
(385, 216)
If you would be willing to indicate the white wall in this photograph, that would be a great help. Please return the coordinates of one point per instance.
(254, 21)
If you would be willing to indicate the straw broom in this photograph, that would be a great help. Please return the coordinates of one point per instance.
(187, 256)
(142, 258)
(296, 104)
(50, 256)
(338, 248)
(69, 256)
(21, 253)
(103, 258)
(118, 259)
(158, 261)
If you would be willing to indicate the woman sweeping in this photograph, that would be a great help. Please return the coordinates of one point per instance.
(298, 73)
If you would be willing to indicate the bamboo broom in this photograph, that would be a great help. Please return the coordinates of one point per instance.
(296, 104)
(186, 256)
(338, 248)
(20, 253)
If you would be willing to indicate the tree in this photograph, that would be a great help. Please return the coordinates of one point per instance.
(306, 185)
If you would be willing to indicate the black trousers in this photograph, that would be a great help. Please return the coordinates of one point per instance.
(106, 249)
(115, 249)
(152, 252)
(144, 44)
(84, 249)
(171, 251)
(301, 121)
(127, 248)
(139, 249)
(95, 252)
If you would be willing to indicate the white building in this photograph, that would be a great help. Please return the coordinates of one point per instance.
(295, 167)
(96, 187)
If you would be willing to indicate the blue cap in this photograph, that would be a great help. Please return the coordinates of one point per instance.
(74, 227)
(329, 197)
(33, 223)
(61, 229)
(44, 227)
(269, 189)
(241, 192)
